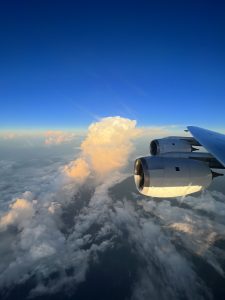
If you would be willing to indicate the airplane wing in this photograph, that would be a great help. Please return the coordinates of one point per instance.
(212, 141)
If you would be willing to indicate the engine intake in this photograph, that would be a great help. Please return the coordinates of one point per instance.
(162, 177)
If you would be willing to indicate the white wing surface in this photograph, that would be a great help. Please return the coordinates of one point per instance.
(212, 141)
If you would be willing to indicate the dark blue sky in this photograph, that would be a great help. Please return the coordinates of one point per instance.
(63, 63)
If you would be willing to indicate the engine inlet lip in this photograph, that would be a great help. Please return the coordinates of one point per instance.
(154, 147)
(139, 174)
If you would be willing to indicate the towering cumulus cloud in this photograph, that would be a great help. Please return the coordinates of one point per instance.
(105, 149)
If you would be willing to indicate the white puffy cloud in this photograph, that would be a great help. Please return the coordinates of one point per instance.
(105, 149)
(78, 169)
(21, 211)
(108, 143)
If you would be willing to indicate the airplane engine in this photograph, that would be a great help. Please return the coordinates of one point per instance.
(170, 177)
(165, 145)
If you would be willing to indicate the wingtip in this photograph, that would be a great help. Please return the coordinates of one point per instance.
(188, 128)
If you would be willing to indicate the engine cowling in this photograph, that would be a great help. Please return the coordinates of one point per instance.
(170, 177)
(165, 145)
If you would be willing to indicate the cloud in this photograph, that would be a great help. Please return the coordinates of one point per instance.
(42, 248)
(8, 135)
(55, 137)
(182, 227)
(193, 223)
(106, 148)
(154, 230)
(78, 169)
(108, 143)
(63, 232)
(34, 138)
(163, 271)
(21, 210)
(16, 134)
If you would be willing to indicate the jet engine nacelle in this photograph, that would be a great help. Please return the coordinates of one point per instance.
(163, 177)
(165, 145)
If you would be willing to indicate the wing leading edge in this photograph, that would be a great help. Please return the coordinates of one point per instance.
(212, 141)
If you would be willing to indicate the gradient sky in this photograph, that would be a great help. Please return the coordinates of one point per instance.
(66, 63)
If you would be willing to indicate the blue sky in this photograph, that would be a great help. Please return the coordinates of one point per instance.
(65, 63)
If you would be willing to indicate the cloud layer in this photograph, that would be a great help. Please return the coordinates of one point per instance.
(53, 237)
(54, 137)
